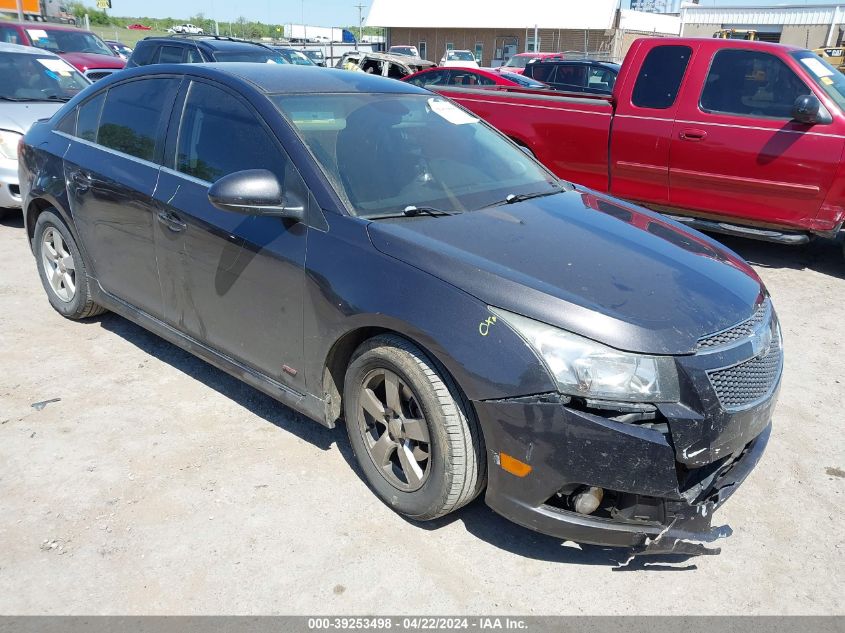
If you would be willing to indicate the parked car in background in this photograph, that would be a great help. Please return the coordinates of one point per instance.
(189, 29)
(464, 59)
(293, 56)
(316, 56)
(384, 64)
(184, 49)
(517, 63)
(122, 50)
(576, 75)
(33, 85)
(139, 27)
(470, 77)
(366, 250)
(410, 51)
(84, 50)
(730, 136)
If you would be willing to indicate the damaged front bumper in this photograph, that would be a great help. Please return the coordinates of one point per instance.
(661, 482)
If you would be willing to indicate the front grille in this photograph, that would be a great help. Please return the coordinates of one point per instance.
(96, 75)
(748, 382)
(738, 331)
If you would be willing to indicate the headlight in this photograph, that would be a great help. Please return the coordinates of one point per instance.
(9, 144)
(588, 369)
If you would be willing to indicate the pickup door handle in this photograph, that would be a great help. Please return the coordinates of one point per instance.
(171, 221)
(693, 135)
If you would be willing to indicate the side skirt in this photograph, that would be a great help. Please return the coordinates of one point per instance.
(307, 404)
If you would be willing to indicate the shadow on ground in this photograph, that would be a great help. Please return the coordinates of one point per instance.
(12, 219)
(820, 255)
(477, 518)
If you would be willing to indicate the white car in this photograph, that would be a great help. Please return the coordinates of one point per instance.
(460, 59)
(191, 29)
(35, 84)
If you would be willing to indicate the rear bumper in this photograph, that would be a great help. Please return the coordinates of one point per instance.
(10, 192)
(653, 503)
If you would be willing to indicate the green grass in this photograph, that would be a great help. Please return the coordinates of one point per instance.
(127, 36)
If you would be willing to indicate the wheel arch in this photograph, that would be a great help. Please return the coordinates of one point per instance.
(36, 206)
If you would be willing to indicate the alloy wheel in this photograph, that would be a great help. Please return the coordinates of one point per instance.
(58, 264)
(395, 431)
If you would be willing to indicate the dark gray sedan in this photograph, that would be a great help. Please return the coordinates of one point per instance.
(364, 250)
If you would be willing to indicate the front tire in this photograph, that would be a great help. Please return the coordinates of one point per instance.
(61, 268)
(413, 432)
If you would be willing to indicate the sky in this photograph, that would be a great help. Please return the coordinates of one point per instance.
(316, 12)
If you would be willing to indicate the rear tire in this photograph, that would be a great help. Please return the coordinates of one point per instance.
(414, 434)
(61, 268)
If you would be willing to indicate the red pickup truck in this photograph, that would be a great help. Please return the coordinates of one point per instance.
(738, 137)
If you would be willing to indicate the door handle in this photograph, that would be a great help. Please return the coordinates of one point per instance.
(693, 135)
(171, 221)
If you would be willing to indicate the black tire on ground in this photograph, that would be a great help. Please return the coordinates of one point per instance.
(80, 305)
(456, 467)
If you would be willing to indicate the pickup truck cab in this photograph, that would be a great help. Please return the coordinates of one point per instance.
(734, 136)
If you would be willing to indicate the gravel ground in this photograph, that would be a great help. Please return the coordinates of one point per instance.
(157, 484)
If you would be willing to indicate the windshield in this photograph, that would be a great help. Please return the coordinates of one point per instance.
(295, 57)
(385, 152)
(26, 77)
(461, 56)
(256, 56)
(522, 80)
(519, 61)
(69, 42)
(825, 76)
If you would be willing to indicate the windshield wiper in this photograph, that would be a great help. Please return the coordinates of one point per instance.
(514, 198)
(412, 210)
(34, 99)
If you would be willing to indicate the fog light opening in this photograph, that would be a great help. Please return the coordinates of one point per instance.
(587, 500)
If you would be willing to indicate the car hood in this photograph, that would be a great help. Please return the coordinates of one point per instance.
(19, 117)
(86, 61)
(588, 264)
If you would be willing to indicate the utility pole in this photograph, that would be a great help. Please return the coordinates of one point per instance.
(20, 10)
(360, 8)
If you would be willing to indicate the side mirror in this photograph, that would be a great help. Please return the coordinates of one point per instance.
(254, 192)
(808, 109)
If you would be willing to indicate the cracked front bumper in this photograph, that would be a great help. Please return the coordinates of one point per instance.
(666, 505)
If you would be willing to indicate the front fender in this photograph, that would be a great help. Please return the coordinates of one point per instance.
(351, 286)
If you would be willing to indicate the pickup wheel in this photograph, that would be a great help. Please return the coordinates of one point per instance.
(413, 432)
(61, 268)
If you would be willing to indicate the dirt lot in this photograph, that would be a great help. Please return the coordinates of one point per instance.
(157, 484)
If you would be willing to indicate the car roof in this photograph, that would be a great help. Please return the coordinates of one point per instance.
(41, 26)
(26, 50)
(278, 78)
(591, 62)
(210, 41)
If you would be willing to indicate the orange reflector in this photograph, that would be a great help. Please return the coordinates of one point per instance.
(513, 465)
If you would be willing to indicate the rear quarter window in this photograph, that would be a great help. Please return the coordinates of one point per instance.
(143, 53)
(660, 77)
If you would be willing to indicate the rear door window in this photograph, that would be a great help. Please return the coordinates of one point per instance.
(541, 72)
(751, 83)
(89, 118)
(660, 76)
(467, 78)
(170, 55)
(571, 76)
(434, 78)
(10, 35)
(133, 115)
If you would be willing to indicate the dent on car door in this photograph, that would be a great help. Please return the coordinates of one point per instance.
(231, 281)
(111, 168)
